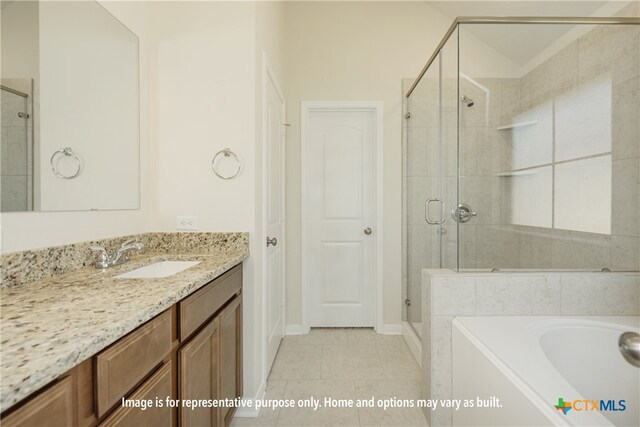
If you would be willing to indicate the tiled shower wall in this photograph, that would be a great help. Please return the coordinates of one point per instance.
(583, 97)
(586, 100)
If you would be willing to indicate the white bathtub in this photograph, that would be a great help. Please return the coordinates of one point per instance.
(530, 362)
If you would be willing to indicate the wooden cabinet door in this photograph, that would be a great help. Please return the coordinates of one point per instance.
(53, 407)
(198, 376)
(158, 386)
(230, 356)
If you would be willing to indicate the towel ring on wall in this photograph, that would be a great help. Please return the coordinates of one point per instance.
(67, 152)
(227, 153)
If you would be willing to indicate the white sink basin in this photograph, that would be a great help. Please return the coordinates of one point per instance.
(158, 270)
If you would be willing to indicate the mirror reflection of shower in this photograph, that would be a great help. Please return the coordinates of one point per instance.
(466, 100)
(16, 148)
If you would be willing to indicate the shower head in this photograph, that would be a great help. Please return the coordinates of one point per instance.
(466, 100)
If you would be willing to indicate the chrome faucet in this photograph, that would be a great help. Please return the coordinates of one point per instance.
(120, 256)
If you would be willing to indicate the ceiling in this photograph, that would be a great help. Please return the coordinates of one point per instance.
(520, 43)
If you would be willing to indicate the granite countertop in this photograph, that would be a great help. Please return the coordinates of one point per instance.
(49, 326)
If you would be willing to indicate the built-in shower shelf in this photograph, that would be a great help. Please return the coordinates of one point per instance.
(518, 125)
(518, 173)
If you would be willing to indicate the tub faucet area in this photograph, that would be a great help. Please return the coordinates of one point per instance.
(629, 345)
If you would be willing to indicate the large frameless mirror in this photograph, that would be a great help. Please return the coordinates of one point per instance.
(70, 108)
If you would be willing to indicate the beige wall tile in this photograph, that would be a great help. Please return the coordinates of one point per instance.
(422, 151)
(535, 248)
(612, 50)
(625, 200)
(510, 100)
(441, 374)
(483, 194)
(498, 247)
(556, 75)
(453, 296)
(625, 253)
(605, 294)
(14, 150)
(580, 250)
(517, 295)
(14, 193)
(626, 120)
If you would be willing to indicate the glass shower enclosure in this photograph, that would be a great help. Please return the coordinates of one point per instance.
(521, 149)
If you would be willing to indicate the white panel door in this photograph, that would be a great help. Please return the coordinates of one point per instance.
(339, 212)
(274, 209)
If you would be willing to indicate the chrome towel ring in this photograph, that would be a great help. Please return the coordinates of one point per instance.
(226, 153)
(67, 152)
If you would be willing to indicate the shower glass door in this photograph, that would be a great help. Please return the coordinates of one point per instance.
(430, 174)
(422, 179)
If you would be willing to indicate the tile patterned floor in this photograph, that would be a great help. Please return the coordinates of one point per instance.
(343, 364)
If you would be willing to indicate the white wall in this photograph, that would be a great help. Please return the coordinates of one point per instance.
(97, 48)
(359, 51)
(20, 40)
(202, 65)
(28, 230)
(203, 101)
(207, 95)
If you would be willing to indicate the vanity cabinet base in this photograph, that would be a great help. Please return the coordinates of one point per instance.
(52, 407)
(162, 358)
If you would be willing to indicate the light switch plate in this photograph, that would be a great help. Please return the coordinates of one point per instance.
(187, 222)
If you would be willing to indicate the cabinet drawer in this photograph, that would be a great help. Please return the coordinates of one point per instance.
(120, 367)
(53, 407)
(158, 386)
(197, 308)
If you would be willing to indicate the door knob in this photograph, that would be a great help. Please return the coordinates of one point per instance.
(368, 231)
(272, 241)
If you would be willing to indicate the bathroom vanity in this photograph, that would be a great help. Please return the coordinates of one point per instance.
(88, 348)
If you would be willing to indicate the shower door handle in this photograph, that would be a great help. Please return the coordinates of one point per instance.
(427, 206)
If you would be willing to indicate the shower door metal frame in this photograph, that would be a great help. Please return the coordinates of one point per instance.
(571, 20)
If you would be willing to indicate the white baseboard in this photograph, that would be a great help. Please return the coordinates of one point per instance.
(390, 329)
(413, 341)
(251, 412)
(296, 330)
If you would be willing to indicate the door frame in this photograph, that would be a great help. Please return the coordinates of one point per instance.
(269, 77)
(307, 107)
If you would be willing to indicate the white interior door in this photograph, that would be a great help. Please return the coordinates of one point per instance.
(339, 216)
(274, 212)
